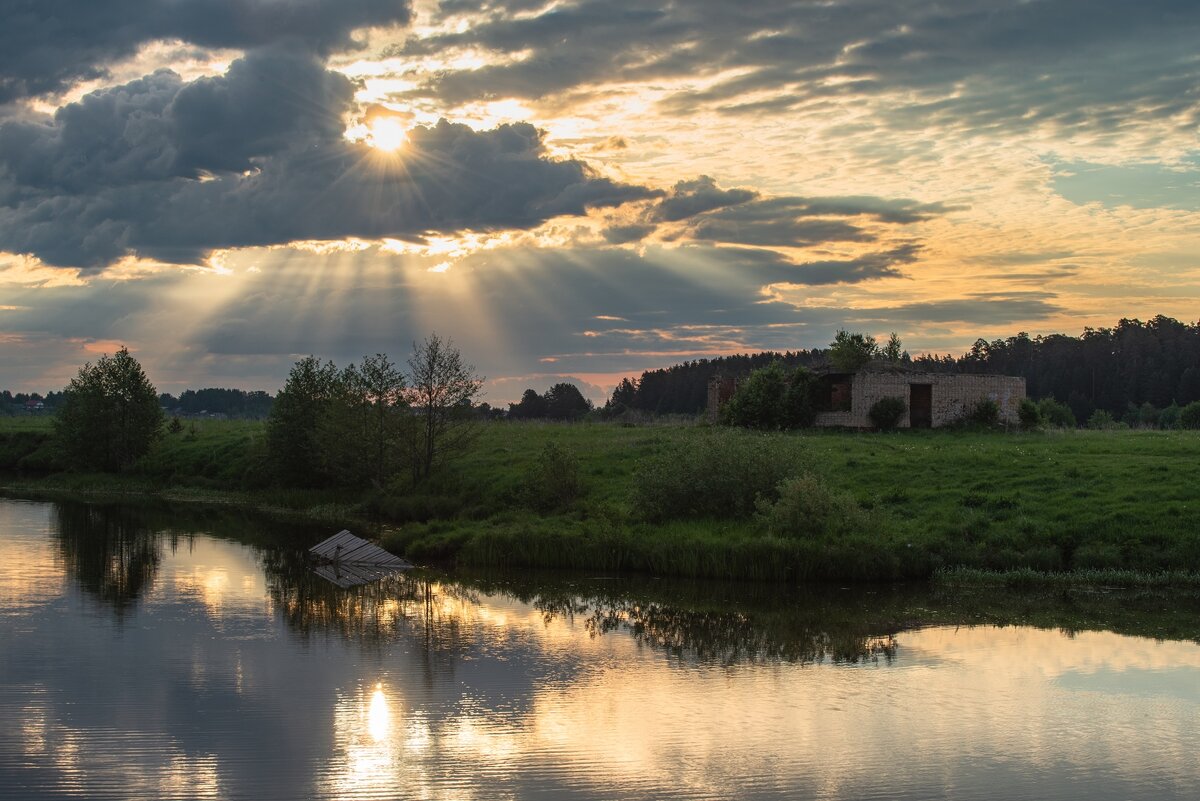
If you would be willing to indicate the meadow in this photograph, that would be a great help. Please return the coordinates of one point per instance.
(690, 500)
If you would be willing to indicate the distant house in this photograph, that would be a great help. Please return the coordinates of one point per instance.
(932, 399)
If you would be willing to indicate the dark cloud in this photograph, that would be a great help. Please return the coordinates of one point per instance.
(172, 170)
(47, 45)
(741, 216)
(1079, 64)
(790, 221)
(689, 198)
(157, 127)
(622, 234)
(852, 271)
(981, 309)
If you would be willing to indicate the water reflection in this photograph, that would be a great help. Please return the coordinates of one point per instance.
(109, 551)
(248, 676)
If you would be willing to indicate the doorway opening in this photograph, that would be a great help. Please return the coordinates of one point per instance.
(920, 405)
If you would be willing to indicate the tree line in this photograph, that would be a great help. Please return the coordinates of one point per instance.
(1116, 370)
(235, 403)
(364, 424)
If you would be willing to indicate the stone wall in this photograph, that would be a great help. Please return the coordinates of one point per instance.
(953, 395)
(720, 390)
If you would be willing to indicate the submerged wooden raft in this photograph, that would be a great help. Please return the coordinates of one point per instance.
(347, 560)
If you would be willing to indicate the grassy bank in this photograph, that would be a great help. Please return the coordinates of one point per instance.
(909, 503)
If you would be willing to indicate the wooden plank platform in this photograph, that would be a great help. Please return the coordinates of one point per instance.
(347, 575)
(345, 549)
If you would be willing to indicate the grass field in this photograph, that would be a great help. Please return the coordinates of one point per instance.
(1107, 501)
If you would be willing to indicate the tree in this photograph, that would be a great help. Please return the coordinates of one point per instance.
(849, 352)
(360, 430)
(531, 407)
(293, 439)
(565, 402)
(442, 388)
(893, 351)
(624, 397)
(773, 397)
(109, 416)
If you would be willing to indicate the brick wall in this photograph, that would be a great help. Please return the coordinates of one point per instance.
(953, 395)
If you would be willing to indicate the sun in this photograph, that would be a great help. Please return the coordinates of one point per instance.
(387, 133)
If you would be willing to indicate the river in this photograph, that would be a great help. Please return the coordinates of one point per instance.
(157, 654)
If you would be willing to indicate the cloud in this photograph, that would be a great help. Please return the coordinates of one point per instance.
(1073, 65)
(706, 212)
(172, 170)
(851, 271)
(689, 198)
(48, 45)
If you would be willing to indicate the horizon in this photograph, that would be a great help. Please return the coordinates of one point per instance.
(582, 191)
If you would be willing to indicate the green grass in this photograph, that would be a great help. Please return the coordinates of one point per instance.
(1021, 504)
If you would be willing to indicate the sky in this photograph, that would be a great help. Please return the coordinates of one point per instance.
(582, 190)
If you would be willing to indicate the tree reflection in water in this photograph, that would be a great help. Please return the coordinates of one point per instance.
(443, 614)
(109, 551)
(114, 554)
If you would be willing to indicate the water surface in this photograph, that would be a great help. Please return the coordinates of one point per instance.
(156, 655)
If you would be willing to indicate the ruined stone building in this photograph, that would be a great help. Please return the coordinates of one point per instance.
(932, 399)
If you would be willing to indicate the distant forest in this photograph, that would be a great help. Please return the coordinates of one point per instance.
(1134, 363)
(211, 402)
(1114, 369)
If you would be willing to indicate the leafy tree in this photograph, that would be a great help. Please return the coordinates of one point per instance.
(293, 439)
(110, 414)
(531, 407)
(361, 429)
(442, 388)
(565, 402)
(849, 352)
(773, 397)
(799, 408)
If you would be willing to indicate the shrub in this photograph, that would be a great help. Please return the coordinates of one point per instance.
(984, 414)
(1189, 417)
(807, 508)
(553, 482)
(1101, 420)
(1056, 414)
(717, 474)
(773, 397)
(886, 413)
(1029, 414)
(1169, 417)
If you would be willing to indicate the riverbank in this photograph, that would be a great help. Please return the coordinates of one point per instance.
(1038, 503)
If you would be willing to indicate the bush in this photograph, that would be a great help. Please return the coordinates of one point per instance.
(717, 474)
(772, 398)
(984, 414)
(553, 482)
(1056, 414)
(1169, 417)
(1101, 420)
(807, 508)
(1029, 414)
(886, 413)
(1189, 417)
